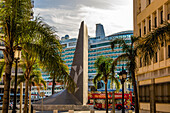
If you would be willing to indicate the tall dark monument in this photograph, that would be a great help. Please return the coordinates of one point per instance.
(65, 100)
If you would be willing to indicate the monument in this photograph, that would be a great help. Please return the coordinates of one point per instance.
(79, 69)
(65, 100)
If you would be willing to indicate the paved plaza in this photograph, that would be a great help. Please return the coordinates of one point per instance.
(103, 111)
(10, 111)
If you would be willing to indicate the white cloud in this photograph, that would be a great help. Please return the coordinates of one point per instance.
(115, 16)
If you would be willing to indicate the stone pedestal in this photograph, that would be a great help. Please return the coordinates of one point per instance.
(71, 111)
(55, 111)
(38, 107)
(92, 111)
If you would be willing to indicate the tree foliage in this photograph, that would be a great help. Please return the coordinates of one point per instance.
(153, 41)
(130, 55)
(105, 67)
(37, 39)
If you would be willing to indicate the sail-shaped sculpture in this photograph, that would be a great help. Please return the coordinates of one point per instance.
(79, 69)
(65, 100)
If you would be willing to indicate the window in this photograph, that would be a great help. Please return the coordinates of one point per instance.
(149, 25)
(139, 6)
(155, 22)
(144, 29)
(155, 58)
(140, 32)
(100, 45)
(144, 93)
(140, 61)
(162, 92)
(72, 44)
(168, 51)
(161, 17)
(161, 54)
(148, 2)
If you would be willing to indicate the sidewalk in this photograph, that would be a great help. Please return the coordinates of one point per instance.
(117, 111)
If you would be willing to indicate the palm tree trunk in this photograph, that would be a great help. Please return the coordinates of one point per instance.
(6, 88)
(26, 96)
(106, 97)
(53, 86)
(135, 92)
(30, 100)
(113, 102)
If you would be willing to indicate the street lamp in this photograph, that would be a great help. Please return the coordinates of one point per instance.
(122, 77)
(17, 57)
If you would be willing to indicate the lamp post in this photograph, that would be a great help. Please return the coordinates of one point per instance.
(122, 77)
(17, 57)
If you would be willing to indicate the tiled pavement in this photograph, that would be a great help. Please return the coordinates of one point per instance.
(83, 112)
(10, 111)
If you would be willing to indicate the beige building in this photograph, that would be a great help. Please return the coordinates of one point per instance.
(154, 78)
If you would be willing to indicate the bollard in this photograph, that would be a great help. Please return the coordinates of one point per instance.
(55, 111)
(34, 111)
(92, 111)
(130, 111)
(71, 111)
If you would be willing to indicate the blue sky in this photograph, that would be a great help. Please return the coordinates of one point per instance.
(66, 15)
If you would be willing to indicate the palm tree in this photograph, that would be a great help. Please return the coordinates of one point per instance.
(15, 13)
(35, 37)
(19, 30)
(34, 80)
(130, 54)
(61, 75)
(45, 49)
(40, 44)
(153, 41)
(105, 66)
(27, 66)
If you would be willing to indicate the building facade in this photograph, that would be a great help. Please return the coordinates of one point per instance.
(154, 78)
(100, 31)
(97, 46)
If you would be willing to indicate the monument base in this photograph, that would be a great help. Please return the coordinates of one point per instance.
(38, 107)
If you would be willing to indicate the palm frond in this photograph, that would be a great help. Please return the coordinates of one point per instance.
(117, 41)
(2, 65)
(43, 82)
(117, 83)
(20, 79)
(97, 78)
(124, 56)
(152, 42)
